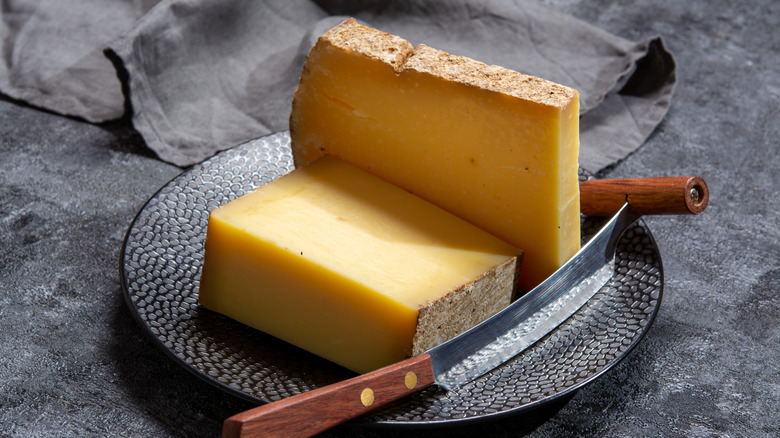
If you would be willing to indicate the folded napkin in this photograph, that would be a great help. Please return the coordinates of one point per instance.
(199, 76)
(53, 54)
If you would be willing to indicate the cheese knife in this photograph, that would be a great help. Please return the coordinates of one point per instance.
(496, 340)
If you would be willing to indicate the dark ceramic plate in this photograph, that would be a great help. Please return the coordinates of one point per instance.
(160, 269)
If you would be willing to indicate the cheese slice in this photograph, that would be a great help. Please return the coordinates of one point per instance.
(490, 145)
(349, 267)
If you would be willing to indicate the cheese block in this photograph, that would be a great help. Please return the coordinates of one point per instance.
(490, 145)
(349, 267)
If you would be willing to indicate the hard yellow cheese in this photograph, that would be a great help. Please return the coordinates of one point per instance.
(347, 266)
(490, 145)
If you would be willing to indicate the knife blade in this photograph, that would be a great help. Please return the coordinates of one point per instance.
(496, 340)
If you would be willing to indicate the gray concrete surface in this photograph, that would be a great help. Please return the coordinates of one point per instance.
(73, 362)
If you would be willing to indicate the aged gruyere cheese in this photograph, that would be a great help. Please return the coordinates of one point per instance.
(347, 266)
(490, 145)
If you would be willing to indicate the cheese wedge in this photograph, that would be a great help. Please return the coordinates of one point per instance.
(490, 145)
(349, 267)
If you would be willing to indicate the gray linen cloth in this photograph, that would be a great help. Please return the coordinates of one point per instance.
(52, 54)
(200, 76)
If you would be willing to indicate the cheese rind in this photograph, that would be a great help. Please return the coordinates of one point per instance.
(345, 265)
(485, 143)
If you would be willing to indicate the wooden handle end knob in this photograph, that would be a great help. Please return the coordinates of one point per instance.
(646, 196)
(698, 194)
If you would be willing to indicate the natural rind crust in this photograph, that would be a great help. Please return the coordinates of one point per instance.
(391, 49)
(489, 77)
(466, 306)
(373, 43)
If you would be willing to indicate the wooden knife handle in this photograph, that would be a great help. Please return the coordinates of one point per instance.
(314, 411)
(663, 195)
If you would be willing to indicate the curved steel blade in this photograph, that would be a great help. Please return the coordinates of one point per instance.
(535, 314)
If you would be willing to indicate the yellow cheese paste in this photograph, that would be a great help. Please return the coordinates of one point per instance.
(490, 145)
(349, 267)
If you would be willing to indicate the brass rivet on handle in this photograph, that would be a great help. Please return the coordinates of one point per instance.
(698, 195)
(367, 397)
(410, 380)
(695, 195)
